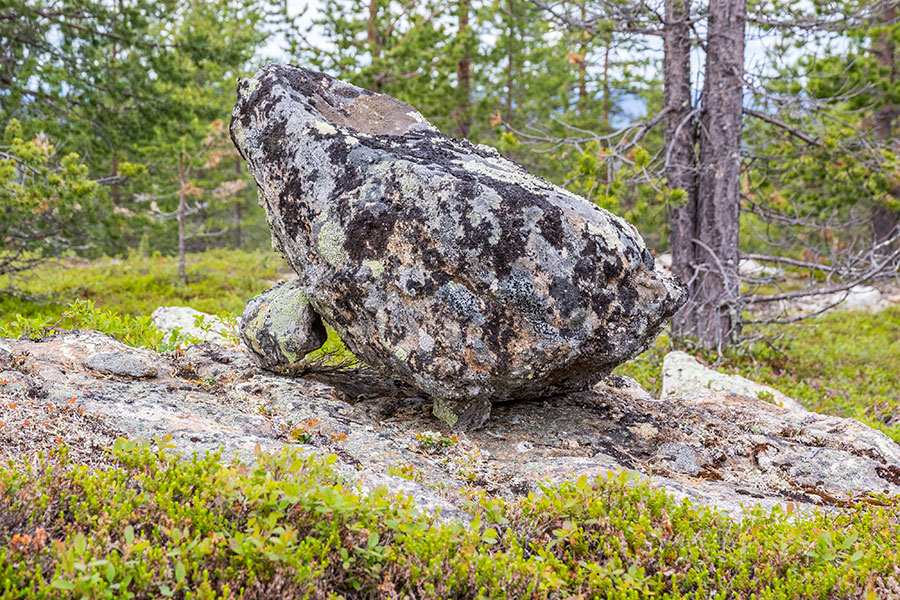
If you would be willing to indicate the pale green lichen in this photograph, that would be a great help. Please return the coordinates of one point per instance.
(252, 84)
(502, 170)
(283, 320)
(443, 411)
(331, 244)
(325, 128)
(376, 266)
(609, 236)
(253, 327)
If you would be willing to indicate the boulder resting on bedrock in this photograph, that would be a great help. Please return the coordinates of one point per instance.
(437, 261)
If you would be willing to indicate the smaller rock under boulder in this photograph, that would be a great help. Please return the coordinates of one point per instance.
(279, 327)
(683, 375)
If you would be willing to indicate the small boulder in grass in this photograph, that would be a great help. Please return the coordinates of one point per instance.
(439, 262)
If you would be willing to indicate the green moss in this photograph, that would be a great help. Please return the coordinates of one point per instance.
(154, 525)
(218, 280)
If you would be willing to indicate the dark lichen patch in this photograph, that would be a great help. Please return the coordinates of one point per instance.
(552, 228)
(296, 215)
(368, 233)
(889, 473)
(566, 296)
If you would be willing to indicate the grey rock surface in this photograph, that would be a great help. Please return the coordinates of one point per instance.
(439, 262)
(124, 363)
(279, 327)
(714, 448)
(684, 375)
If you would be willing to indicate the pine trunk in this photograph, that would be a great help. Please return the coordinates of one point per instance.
(680, 136)
(374, 43)
(464, 75)
(238, 209)
(713, 312)
(885, 222)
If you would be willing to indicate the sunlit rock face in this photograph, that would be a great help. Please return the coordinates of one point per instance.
(440, 262)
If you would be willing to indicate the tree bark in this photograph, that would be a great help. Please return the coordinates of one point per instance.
(238, 208)
(704, 230)
(464, 75)
(606, 99)
(181, 260)
(373, 39)
(717, 290)
(582, 67)
(885, 222)
(510, 59)
(116, 190)
(680, 137)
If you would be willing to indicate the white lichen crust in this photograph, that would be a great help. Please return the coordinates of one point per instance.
(443, 263)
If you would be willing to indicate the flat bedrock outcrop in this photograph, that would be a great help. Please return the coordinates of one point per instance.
(714, 447)
(440, 262)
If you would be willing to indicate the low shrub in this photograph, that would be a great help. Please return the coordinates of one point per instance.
(288, 526)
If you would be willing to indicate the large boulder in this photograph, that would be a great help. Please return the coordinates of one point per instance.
(440, 262)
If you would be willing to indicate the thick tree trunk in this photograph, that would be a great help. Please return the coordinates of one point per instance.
(181, 207)
(116, 189)
(680, 136)
(464, 75)
(885, 222)
(710, 262)
(717, 293)
(606, 99)
(582, 68)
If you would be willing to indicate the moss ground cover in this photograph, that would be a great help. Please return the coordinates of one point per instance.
(155, 526)
(218, 280)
